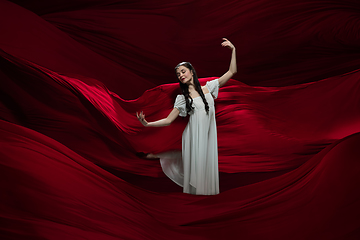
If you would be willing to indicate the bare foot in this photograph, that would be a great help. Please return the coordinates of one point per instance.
(151, 156)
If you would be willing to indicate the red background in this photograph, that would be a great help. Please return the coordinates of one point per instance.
(73, 74)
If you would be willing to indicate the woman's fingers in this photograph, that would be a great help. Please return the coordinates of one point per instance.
(140, 116)
(227, 43)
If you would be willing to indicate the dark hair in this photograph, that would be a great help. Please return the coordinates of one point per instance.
(185, 88)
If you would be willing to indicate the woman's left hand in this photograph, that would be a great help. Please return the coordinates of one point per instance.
(228, 44)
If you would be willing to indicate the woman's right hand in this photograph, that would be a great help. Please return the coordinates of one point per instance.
(141, 117)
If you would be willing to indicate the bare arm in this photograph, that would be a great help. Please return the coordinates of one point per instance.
(160, 123)
(233, 68)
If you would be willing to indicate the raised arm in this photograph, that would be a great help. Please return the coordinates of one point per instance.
(232, 69)
(160, 123)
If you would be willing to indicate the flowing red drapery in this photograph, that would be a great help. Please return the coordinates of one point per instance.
(73, 74)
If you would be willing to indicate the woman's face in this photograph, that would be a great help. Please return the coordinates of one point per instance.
(184, 75)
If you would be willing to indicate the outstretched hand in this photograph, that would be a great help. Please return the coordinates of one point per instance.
(228, 44)
(141, 117)
(232, 68)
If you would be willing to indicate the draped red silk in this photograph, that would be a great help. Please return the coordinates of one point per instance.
(74, 73)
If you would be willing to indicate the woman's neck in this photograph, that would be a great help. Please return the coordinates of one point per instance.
(191, 85)
(191, 88)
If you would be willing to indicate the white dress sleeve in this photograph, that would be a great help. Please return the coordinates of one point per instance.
(180, 104)
(213, 87)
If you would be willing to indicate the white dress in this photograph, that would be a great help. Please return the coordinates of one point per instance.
(196, 169)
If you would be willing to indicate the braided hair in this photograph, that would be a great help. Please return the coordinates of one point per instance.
(185, 88)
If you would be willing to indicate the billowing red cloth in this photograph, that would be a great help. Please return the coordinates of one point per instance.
(73, 74)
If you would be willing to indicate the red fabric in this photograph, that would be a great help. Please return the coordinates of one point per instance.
(73, 74)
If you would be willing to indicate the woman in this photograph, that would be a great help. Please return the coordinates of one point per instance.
(197, 168)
